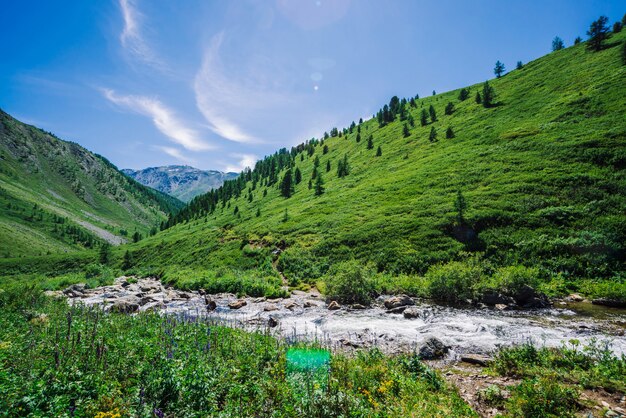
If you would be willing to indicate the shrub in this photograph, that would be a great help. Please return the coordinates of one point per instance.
(512, 278)
(454, 281)
(543, 398)
(350, 282)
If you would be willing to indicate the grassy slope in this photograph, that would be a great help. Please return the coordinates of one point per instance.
(543, 174)
(64, 180)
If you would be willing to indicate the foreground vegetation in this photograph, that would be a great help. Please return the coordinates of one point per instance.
(61, 361)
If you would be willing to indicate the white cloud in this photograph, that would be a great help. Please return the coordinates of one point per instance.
(220, 94)
(131, 37)
(163, 118)
(244, 160)
(176, 153)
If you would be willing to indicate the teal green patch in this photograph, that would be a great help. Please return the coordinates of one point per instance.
(307, 372)
(301, 360)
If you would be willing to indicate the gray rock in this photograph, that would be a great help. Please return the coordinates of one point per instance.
(333, 306)
(291, 305)
(493, 298)
(237, 304)
(270, 307)
(397, 301)
(309, 304)
(124, 306)
(358, 306)
(209, 303)
(611, 303)
(432, 349)
(411, 313)
(398, 310)
(477, 359)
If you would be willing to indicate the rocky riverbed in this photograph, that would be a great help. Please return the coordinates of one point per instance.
(392, 323)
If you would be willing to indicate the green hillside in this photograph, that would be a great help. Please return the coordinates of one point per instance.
(56, 196)
(541, 172)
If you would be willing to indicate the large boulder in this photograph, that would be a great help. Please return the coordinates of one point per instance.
(397, 301)
(411, 313)
(75, 291)
(432, 349)
(493, 298)
(334, 305)
(209, 303)
(611, 303)
(237, 304)
(124, 306)
(527, 297)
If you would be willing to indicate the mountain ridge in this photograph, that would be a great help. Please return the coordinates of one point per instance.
(181, 181)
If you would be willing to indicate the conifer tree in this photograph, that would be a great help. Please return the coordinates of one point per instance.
(449, 108)
(449, 133)
(127, 261)
(258, 212)
(578, 40)
(478, 99)
(298, 175)
(358, 137)
(319, 186)
(598, 32)
(489, 95)
(411, 120)
(316, 161)
(286, 186)
(557, 44)
(433, 134)
(327, 166)
(463, 94)
(379, 151)
(498, 70)
(433, 114)
(617, 27)
(325, 149)
(424, 117)
(405, 131)
(310, 184)
(370, 142)
(519, 65)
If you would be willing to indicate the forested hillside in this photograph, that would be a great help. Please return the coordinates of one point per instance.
(527, 169)
(56, 196)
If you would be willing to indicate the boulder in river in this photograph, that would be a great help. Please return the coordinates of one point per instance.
(611, 303)
(334, 305)
(237, 304)
(411, 313)
(397, 301)
(124, 306)
(432, 349)
(493, 298)
(528, 297)
(209, 303)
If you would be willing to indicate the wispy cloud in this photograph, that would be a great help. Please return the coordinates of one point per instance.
(219, 95)
(163, 118)
(244, 160)
(132, 38)
(176, 153)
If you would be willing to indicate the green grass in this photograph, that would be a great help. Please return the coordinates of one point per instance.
(55, 358)
(542, 174)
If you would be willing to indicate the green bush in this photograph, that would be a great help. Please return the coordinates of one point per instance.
(350, 282)
(454, 282)
(512, 278)
(542, 398)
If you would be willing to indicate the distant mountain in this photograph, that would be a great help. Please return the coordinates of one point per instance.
(56, 196)
(181, 181)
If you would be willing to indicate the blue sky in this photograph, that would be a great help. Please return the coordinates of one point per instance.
(219, 84)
